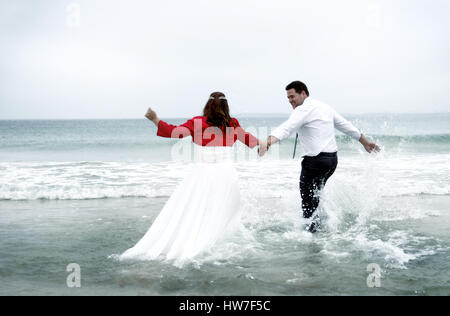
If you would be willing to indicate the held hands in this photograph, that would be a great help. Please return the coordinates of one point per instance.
(265, 145)
(262, 149)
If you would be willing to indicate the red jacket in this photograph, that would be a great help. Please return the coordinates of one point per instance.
(204, 134)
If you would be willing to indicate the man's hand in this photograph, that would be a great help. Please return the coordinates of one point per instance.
(371, 146)
(368, 145)
(151, 115)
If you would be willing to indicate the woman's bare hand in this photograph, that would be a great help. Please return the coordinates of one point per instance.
(151, 115)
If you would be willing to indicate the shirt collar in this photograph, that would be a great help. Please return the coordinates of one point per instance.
(308, 101)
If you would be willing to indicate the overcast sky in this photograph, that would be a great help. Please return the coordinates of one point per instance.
(113, 59)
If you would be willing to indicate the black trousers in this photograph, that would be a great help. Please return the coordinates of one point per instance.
(315, 173)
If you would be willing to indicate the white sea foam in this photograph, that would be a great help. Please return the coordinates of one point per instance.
(363, 193)
(377, 178)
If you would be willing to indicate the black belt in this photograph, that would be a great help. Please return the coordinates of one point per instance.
(323, 155)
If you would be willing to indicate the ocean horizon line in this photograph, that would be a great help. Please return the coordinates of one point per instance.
(243, 115)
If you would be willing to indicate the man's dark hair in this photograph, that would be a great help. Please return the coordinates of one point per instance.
(298, 86)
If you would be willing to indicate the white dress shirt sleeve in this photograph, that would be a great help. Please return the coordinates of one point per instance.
(295, 121)
(341, 124)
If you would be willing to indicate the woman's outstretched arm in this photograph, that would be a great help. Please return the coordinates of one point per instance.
(245, 137)
(169, 130)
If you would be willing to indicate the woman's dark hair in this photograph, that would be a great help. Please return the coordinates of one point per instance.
(217, 111)
(298, 86)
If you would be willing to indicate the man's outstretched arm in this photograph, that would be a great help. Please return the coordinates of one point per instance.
(347, 128)
(295, 121)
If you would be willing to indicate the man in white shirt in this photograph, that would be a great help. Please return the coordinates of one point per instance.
(315, 122)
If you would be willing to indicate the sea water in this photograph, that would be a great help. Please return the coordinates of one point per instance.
(84, 191)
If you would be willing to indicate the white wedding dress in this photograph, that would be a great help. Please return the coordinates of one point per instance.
(203, 209)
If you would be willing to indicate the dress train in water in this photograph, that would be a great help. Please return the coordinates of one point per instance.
(203, 208)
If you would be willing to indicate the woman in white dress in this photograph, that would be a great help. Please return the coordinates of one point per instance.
(205, 205)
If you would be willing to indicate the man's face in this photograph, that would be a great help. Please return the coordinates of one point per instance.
(296, 99)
